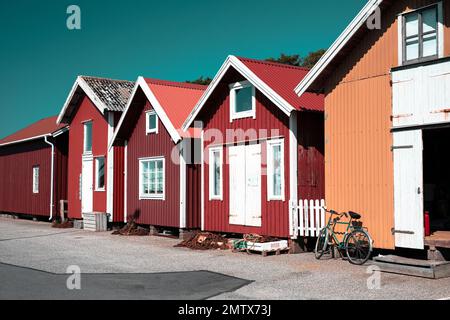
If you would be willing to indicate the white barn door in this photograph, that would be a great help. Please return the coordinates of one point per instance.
(236, 156)
(245, 185)
(408, 189)
(87, 185)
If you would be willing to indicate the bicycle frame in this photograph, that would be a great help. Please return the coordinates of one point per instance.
(331, 225)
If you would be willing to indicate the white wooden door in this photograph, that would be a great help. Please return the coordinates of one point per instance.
(408, 189)
(236, 156)
(253, 185)
(245, 185)
(87, 184)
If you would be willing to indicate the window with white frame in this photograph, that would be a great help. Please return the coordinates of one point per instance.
(100, 174)
(242, 100)
(421, 36)
(151, 178)
(275, 169)
(36, 179)
(151, 122)
(87, 137)
(215, 173)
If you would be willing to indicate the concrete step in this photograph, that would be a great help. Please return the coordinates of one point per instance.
(413, 267)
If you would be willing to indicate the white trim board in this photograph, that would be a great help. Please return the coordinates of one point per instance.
(337, 46)
(250, 76)
(80, 82)
(141, 83)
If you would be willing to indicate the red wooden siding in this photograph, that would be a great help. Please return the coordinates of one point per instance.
(118, 197)
(216, 115)
(16, 183)
(311, 166)
(152, 212)
(60, 171)
(86, 111)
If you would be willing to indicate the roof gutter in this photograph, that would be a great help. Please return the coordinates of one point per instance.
(51, 174)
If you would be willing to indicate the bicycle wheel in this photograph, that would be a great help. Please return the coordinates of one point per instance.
(322, 243)
(358, 247)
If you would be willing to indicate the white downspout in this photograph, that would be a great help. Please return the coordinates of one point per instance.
(51, 175)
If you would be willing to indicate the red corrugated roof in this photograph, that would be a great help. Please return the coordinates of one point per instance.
(177, 99)
(40, 128)
(283, 79)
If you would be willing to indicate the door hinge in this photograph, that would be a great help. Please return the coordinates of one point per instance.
(401, 147)
(401, 231)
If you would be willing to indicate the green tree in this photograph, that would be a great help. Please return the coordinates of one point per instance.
(311, 59)
(296, 60)
(201, 80)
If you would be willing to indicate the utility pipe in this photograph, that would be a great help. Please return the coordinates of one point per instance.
(51, 175)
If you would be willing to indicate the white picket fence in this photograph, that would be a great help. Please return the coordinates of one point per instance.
(307, 218)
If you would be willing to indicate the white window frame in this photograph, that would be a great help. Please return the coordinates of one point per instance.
(440, 33)
(36, 169)
(84, 138)
(243, 114)
(213, 196)
(147, 122)
(97, 180)
(270, 170)
(143, 196)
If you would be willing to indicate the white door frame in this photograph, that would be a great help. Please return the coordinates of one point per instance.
(87, 184)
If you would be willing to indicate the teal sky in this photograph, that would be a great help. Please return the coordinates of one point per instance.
(171, 39)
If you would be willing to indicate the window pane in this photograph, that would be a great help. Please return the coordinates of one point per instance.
(217, 173)
(100, 173)
(152, 122)
(429, 45)
(412, 49)
(244, 99)
(429, 20)
(88, 137)
(412, 24)
(277, 170)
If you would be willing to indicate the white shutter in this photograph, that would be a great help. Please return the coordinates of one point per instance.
(237, 184)
(253, 185)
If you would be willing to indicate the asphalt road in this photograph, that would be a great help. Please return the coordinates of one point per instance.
(24, 283)
(191, 274)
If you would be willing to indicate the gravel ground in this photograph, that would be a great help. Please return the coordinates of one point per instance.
(36, 245)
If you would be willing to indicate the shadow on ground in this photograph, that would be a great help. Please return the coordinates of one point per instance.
(24, 283)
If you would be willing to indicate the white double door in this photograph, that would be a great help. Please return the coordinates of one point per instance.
(87, 184)
(245, 185)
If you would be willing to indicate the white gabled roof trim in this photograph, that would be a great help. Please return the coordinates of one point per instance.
(234, 62)
(80, 82)
(54, 134)
(336, 47)
(162, 116)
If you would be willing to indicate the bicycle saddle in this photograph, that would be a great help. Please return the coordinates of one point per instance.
(354, 215)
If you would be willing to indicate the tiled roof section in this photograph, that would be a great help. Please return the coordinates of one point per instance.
(42, 127)
(113, 93)
(177, 99)
(283, 79)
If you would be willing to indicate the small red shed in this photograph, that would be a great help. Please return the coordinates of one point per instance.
(262, 147)
(162, 182)
(93, 109)
(33, 169)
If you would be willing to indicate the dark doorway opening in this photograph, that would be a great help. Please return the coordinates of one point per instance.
(436, 177)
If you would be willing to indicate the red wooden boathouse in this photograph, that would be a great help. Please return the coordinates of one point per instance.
(33, 169)
(163, 184)
(262, 147)
(93, 109)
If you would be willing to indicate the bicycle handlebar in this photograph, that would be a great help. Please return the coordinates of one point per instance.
(336, 213)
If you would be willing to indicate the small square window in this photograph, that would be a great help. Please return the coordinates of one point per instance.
(420, 34)
(36, 179)
(100, 174)
(88, 137)
(151, 123)
(151, 178)
(242, 100)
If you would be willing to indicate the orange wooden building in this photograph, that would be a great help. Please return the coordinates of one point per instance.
(386, 81)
